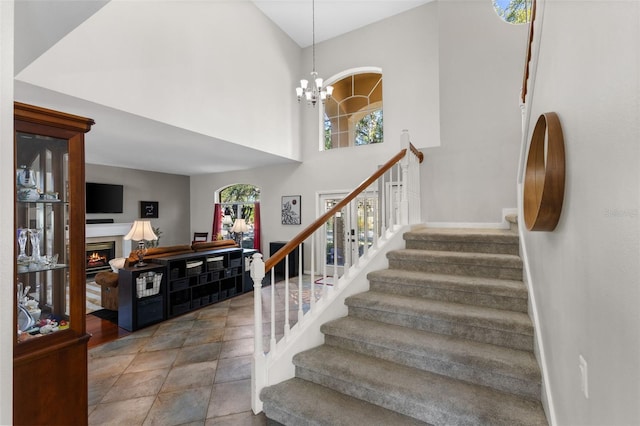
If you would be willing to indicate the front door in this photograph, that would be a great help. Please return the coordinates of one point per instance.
(348, 234)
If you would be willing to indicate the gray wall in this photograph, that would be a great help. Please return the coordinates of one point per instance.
(585, 274)
(170, 191)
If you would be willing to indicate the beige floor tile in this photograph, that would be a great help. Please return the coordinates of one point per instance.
(239, 332)
(230, 398)
(163, 342)
(108, 367)
(190, 376)
(177, 408)
(233, 369)
(171, 327)
(206, 335)
(200, 353)
(130, 412)
(136, 385)
(99, 387)
(152, 360)
(237, 348)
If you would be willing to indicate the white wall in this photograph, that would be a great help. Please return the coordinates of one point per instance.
(585, 274)
(470, 177)
(217, 68)
(7, 233)
(405, 47)
(170, 191)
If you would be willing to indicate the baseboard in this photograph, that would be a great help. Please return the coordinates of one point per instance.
(546, 397)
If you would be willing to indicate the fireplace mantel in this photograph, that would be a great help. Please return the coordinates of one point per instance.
(115, 231)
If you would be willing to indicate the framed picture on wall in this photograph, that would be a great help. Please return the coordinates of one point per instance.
(149, 209)
(291, 210)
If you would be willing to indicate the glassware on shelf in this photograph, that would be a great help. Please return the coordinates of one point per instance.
(22, 243)
(25, 177)
(35, 235)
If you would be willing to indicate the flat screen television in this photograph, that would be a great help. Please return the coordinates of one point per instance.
(104, 198)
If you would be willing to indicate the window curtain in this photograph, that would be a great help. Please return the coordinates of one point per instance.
(217, 222)
(256, 227)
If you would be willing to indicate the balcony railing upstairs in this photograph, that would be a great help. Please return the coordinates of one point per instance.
(377, 210)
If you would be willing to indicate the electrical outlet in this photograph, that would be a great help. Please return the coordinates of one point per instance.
(584, 376)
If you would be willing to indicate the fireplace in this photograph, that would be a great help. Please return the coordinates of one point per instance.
(98, 256)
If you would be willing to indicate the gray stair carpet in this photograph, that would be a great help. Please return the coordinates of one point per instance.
(442, 337)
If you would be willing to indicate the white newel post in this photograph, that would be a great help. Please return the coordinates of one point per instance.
(258, 366)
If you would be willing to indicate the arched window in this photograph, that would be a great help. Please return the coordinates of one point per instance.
(239, 201)
(353, 114)
(513, 11)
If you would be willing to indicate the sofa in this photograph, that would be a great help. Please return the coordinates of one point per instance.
(108, 280)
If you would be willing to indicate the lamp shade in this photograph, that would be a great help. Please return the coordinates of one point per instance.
(227, 220)
(240, 225)
(141, 231)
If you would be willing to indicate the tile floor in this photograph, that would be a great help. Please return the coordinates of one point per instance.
(190, 370)
(194, 369)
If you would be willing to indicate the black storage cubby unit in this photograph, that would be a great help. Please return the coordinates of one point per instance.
(141, 296)
(201, 278)
(279, 269)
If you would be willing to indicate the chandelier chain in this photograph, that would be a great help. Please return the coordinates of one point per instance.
(315, 91)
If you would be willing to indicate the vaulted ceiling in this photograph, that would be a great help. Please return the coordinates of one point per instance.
(127, 140)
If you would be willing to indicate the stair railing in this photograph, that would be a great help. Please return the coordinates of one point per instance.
(388, 199)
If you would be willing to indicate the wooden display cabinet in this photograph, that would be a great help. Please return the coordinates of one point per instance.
(50, 348)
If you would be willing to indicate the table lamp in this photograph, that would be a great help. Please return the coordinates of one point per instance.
(141, 232)
(240, 227)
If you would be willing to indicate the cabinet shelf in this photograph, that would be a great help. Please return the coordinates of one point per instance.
(42, 202)
(43, 268)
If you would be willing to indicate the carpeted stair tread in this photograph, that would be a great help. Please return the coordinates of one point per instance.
(426, 396)
(488, 292)
(503, 266)
(472, 240)
(465, 234)
(506, 369)
(496, 326)
(465, 258)
(299, 402)
(494, 286)
(516, 322)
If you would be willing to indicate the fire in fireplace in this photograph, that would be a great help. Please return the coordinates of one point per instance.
(98, 256)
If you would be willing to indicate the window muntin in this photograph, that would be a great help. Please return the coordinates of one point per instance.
(353, 114)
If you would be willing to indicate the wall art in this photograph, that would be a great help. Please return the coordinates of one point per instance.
(149, 209)
(291, 210)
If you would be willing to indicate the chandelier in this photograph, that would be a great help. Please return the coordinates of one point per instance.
(314, 91)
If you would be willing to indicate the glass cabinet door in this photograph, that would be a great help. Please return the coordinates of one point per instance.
(42, 220)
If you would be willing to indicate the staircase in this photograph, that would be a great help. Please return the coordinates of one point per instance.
(442, 337)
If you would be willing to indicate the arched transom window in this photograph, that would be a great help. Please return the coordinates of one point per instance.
(353, 114)
(513, 11)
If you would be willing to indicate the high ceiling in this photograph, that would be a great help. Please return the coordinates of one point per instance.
(40, 24)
